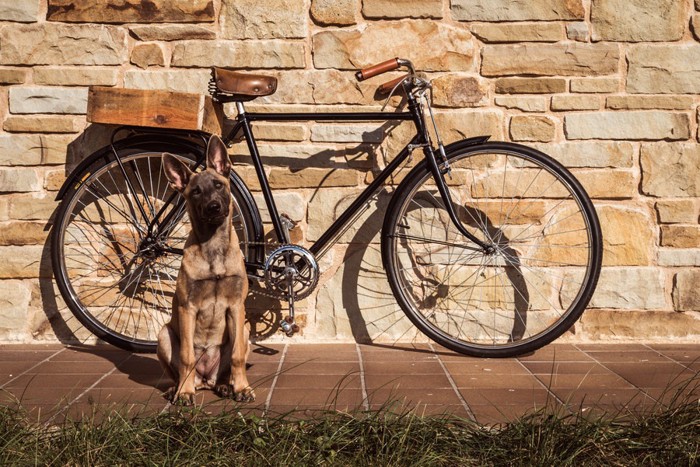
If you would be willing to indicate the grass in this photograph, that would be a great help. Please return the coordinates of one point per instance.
(664, 436)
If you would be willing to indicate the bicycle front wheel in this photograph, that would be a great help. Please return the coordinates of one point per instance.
(537, 278)
(116, 274)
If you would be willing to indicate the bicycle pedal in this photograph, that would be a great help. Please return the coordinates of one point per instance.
(289, 327)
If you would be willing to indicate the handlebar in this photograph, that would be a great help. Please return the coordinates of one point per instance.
(389, 85)
(377, 69)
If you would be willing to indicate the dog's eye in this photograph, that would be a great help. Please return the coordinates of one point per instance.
(218, 185)
(196, 191)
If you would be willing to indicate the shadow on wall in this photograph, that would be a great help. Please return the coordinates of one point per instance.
(264, 312)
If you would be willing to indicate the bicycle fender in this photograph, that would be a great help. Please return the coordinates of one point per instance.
(463, 143)
(172, 144)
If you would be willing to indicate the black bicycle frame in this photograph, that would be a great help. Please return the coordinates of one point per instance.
(421, 139)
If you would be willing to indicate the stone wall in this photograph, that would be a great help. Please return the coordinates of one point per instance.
(609, 87)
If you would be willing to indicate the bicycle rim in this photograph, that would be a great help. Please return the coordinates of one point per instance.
(119, 286)
(536, 282)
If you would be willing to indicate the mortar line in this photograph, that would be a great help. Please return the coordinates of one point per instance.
(363, 385)
(274, 380)
(31, 368)
(92, 386)
(461, 398)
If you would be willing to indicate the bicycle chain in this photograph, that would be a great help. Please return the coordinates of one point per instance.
(255, 289)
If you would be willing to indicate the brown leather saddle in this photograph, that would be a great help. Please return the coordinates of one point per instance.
(237, 87)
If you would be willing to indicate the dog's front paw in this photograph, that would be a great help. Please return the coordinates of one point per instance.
(246, 395)
(184, 400)
(223, 390)
(176, 398)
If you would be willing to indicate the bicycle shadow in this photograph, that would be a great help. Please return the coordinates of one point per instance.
(383, 324)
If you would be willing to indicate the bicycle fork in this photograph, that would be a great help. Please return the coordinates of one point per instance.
(438, 174)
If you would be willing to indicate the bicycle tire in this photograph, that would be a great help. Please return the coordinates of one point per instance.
(534, 285)
(118, 291)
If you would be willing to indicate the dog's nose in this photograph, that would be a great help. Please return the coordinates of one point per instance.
(214, 208)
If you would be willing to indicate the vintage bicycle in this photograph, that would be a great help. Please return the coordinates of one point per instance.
(491, 249)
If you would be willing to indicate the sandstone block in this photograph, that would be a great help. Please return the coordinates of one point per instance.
(118, 11)
(530, 85)
(75, 76)
(366, 133)
(458, 91)
(649, 102)
(145, 55)
(327, 207)
(333, 12)
(611, 325)
(549, 59)
(54, 179)
(171, 32)
(561, 103)
(664, 69)
(680, 236)
(402, 9)
(695, 26)
(19, 180)
(677, 257)
(23, 12)
(41, 124)
(313, 178)
(677, 211)
(628, 236)
(532, 128)
(505, 10)
(31, 207)
(608, 184)
(33, 149)
(20, 262)
(48, 100)
(175, 80)
(639, 288)
(518, 32)
(280, 131)
(70, 45)
(591, 154)
(246, 54)
(454, 126)
(595, 85)
(653, 125)
(686, 293)
(13, 76)
(23, 233)
(443, 47)
(578, 31)
(670, 169)
(526, 104)
(20, 150)
(14, 303)
(292, 204)
(637, 20)
(251, 19)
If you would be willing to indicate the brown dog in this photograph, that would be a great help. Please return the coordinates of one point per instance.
(205, 344)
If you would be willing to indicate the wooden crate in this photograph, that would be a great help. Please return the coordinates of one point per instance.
(158, 109)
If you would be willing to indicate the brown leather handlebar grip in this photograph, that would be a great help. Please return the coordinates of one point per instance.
(377, 69)
(389, 85)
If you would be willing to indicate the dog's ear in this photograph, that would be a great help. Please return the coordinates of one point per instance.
(217, 156)
(177, 173)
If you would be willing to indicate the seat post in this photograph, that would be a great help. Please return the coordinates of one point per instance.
(240, 108)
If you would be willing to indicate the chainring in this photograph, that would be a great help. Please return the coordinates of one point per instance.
(291, 268)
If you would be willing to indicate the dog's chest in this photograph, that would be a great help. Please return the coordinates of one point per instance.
(214, 299)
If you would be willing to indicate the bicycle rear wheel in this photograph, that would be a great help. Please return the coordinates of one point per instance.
(116, 278)
(533, 286)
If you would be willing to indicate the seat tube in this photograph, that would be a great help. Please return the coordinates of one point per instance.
(260, 171)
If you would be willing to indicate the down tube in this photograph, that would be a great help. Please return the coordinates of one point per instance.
(338, 227)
